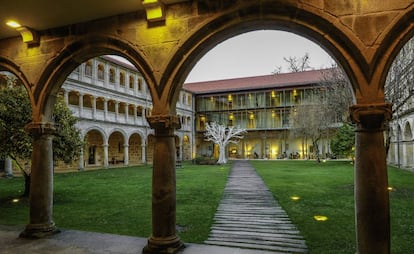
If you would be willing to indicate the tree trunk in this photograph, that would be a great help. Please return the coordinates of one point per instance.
(222, 155)
(26, 192)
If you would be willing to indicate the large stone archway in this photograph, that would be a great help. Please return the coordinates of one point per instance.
(363, 36)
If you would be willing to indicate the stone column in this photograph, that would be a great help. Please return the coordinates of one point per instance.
(93, 107)
(105, 109)
(126, 112)
(106, 160)
(143, 153)
(8, 167)
(81, 160)
(163, 238)
(81, 104)
(41, 182)
(116, 110)
(135, 114)
(126, 155)
(372, 212)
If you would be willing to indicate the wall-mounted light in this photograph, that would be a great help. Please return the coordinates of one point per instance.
(29, 35)
(154, 10)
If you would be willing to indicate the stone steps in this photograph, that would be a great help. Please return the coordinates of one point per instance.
(249, 217)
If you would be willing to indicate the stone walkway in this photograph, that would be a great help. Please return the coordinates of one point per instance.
(249, 217)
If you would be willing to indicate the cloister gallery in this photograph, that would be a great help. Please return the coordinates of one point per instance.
(163, 40)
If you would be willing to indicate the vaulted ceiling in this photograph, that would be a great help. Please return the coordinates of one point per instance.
(46, 14)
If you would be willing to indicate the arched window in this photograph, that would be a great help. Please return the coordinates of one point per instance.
(131, 82)
(122, 78)
(112, 75)
(139, 84)
(101, 72)
(88, 68)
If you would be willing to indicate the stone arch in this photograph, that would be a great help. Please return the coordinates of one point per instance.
(407, 135)
(135, 142)
(6, 65)
(117, 139)
(274, 16)
(75, 54)
(94, 148)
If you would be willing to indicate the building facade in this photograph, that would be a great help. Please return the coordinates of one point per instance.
(110, 99)
(263, 106)
(399, 90)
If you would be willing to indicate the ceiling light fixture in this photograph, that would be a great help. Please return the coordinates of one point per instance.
(154, 10)
(29, 35)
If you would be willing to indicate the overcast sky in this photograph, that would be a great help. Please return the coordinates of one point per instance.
(256, 53)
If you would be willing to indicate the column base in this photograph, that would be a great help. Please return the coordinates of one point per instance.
(165, 245)
(36, 231)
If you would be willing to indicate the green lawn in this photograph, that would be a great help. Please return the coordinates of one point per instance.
(327, 189)
(119, 201)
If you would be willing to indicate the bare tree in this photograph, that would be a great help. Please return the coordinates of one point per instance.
(295, 64)
(324, 111)
(339, 94)
(223, 135)
(310, 121)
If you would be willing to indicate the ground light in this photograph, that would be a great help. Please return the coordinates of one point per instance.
(295, 198)
(320, 218)
(15, 200)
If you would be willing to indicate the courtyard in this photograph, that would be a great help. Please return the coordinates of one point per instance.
(118, 201)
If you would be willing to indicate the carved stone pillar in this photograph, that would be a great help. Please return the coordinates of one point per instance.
(372, 212)
(163, 238)
(106, 155)
(126, 154)
(143, 153)
(41, 182)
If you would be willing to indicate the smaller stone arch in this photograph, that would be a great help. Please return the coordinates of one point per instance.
(407, 134)
(186, 145)
(94, 150)
(136, 148)
(117, 145)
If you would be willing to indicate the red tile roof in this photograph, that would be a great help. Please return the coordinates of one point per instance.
(283, 80)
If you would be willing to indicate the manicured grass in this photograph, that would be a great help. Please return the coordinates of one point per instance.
(119, 200)
(327, 189)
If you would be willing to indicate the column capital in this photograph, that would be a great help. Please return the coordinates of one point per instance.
(40, 128)
(371, 116)
(164, 121)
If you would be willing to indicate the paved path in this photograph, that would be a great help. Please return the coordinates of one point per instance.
(249, 217)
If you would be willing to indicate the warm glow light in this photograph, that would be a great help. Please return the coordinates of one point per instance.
(230, 97)
(13, 24)
(390, 188)
(273, 94)
(295, 198)
(15, 200)
(28, 35)
(154, 10)
(320, 218)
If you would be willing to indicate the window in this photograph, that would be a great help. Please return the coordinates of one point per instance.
(122, 78)
(139, 84)
(100, 71)
(112, 75)
(131, 82)
(88, 68)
